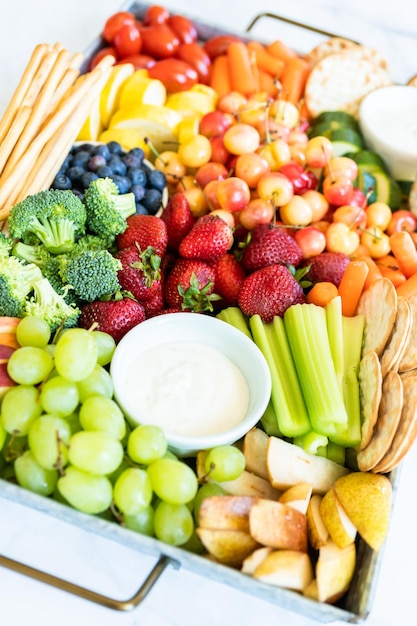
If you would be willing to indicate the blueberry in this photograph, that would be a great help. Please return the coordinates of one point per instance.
(138, 191)
(84, 147)
(117, 165)
(102, 150)
(137, 152)
(66, 163)
(61, 181)
(140, 209)
(96, 162)
(122, 182)
(157, 180)
(75, 173)
(104, 172)
(115, 147)
(78, 193)
(137, 176)
(152, 200)
(82, 159)
(130, 160)
(87, 178)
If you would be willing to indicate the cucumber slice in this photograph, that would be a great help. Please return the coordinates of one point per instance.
(336, 119)
(369, 160)
(346, 140)
(319, 130)
(366, 182)
(388, 190)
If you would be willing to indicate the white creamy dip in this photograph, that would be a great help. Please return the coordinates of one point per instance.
(397, 127)
(187, 388)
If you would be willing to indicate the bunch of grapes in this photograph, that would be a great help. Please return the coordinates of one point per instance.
(63, 435)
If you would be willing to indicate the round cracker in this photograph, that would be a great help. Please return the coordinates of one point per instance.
(370, 383)
(412, 82)
(378, 304)
(389, 416)
(341, 80)
(406, 432)
(408, 360)
(398, 340)
(330, 46)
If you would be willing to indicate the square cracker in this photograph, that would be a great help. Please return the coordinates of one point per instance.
(399, 338)
(370, 383)
(378, 304)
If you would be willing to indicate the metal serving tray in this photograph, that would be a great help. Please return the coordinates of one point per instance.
(353, 608)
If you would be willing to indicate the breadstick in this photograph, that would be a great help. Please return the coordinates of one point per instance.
(40, 77)
(13, 134)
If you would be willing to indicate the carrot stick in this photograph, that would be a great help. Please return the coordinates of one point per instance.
(351, 286)
(321, 293)
(264, 60)
(267, 83)
(404, 250)
(389, 268)
(279, 50)
(240, 68)
(409, 287)
(220, 79)
(374, 272)
(293, 79)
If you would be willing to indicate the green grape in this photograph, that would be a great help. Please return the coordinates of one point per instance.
(95, 452)
(3, 435)
(29, 365)
(19, 409)
(75, 354)
(205, 491)
(193, 544)
(146, 443)
(173, 523)
(50, 349)
(124, 465)
(86, 492)
(59, 396)
(142, 522)
(31, 476)
(106, 346)
(33, 331)
(13, 447)
(48, 438)
(132, 491)
(224, 463)
(173, 481)
(99, 413)
(98, 383)
(73, 421)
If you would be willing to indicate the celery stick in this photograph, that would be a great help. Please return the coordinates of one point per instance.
(352, 346)
(321, 451)
(234, 316)
(311, 442)
(336, 453)
(269, 421)
(309, 342)
(335, 332)
(287, 398)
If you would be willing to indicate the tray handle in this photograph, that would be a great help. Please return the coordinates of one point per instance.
(292, 22)
(87, 594)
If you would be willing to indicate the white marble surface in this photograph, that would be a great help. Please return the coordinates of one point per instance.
(181, 598)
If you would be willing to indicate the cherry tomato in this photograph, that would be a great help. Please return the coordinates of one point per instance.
(127, 40)
(155, 14)
(101, 54)
(139, 61)
(183, 28)
(175, 74)
(195, 55)
(159, 41)
(218, 45)
(115, 22)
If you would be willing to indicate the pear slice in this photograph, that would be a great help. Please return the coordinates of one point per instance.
(316, 529)
(226, 512)
(229, 547)
(249, 484)
(278, 526)
(250, 564)
(334, 571)
(255, 445)
(286, 568)
(297, 496)
(366, 499)
(340, 527)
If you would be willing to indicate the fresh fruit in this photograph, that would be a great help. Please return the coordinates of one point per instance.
(270, 245)
(114, 317)
(190, 286)
(209, 238)
(144, 231)
(140, 273)
(285, 568)
(228, 278)
(327, 267)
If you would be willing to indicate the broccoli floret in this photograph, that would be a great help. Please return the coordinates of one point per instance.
(49, 305)
(107, 210)
(16, 282)
(6, 245)
(92, 274)
(54, 217)
(92, 242)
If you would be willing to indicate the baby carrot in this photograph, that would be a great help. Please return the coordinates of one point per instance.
(404, 250)
(219, 78)
(264, 60)
(389, 268)
(322, 293)
(281, 51)
(240, 68)
(351, 286)
(267, 83)
(409, 287)
(293, 79)
(374, 272)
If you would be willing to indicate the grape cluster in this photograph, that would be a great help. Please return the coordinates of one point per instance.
(128, 169)
(63, 435)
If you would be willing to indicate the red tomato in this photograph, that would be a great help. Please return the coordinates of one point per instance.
(176, 75)
(115, 22)
(127, 40)
(159, 41)
(218, 45)
(101, 54)
(139, 61)
(155, 14)
(197, 57)
(183, 28)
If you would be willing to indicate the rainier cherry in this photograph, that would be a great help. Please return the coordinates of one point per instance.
(210, 171)
(233, 194)
(297, 212)
(338, 190)
(402, 220)
(250, 168)
(318, 203)
(353, 216)
(341, 238)
(318, 151)
(378, 214)
(258, 211)
(311, 240)
(215, 123)
(241, 139)
(376, 241)
(275, 187)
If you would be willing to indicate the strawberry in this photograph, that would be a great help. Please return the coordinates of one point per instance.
(115, 317)
(270, 245)
(327, 267)
(156, 304)
(209, 238)
(189, 286)
(269, 292)
(229, 276)
(140, 273)
(144, 231)
(178, 219)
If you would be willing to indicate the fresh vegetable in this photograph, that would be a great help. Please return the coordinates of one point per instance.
(16, 283)
(49, 305)
(92, 274)
(107, 210)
